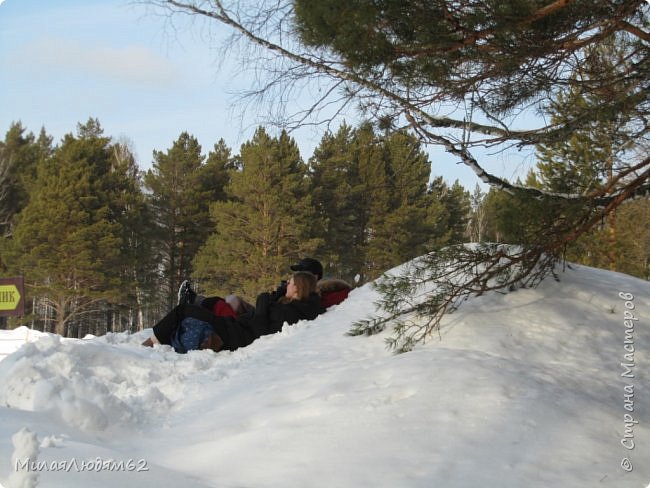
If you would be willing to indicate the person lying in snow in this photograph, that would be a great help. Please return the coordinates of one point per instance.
(189, 326)
(332, 292)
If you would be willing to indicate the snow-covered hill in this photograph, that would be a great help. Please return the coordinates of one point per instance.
(538, 387)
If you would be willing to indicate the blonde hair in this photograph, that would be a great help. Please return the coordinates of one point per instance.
(305, 285)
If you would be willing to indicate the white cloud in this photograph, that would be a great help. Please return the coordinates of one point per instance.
(130, 64)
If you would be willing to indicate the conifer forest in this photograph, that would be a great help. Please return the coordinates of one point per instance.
(104, 244)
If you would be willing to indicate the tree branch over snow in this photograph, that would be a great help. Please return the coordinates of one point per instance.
(414, 64)
(417, 104)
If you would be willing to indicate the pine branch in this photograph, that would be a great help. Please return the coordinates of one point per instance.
(412, 107)
(415, 301)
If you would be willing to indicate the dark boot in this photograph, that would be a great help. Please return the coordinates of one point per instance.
(213, 342)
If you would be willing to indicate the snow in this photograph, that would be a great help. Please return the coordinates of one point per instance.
(526, 388)
(26, 444)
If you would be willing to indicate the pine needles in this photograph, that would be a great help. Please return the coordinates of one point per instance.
(415, 299)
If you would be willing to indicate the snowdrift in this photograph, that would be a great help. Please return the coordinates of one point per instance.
(537, 387)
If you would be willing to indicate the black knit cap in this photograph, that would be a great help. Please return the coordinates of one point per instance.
(309, 264)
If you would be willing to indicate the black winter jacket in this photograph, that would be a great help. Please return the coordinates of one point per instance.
(268, 318)
(270, 315)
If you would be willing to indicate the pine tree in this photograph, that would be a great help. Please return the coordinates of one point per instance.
(403, 228)
(458, 207)
(180, 199)
(266, 224)
(477, 225)
(19, 155)
(372, 192)
(140, 278)
(335, 179)
(214, 174)
(452, 209)
(512, 219)
(633, 243)
(68, 238)
(584, 163)
(372, 198)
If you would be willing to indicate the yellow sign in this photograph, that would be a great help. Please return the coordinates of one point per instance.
(9, 297)
(12, 296)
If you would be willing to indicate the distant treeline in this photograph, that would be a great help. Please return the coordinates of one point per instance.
(103, 245)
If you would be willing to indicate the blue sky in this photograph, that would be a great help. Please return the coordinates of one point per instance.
(64, 61)
(145, 79)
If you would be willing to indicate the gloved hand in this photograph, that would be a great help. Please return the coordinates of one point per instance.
(280, 291)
